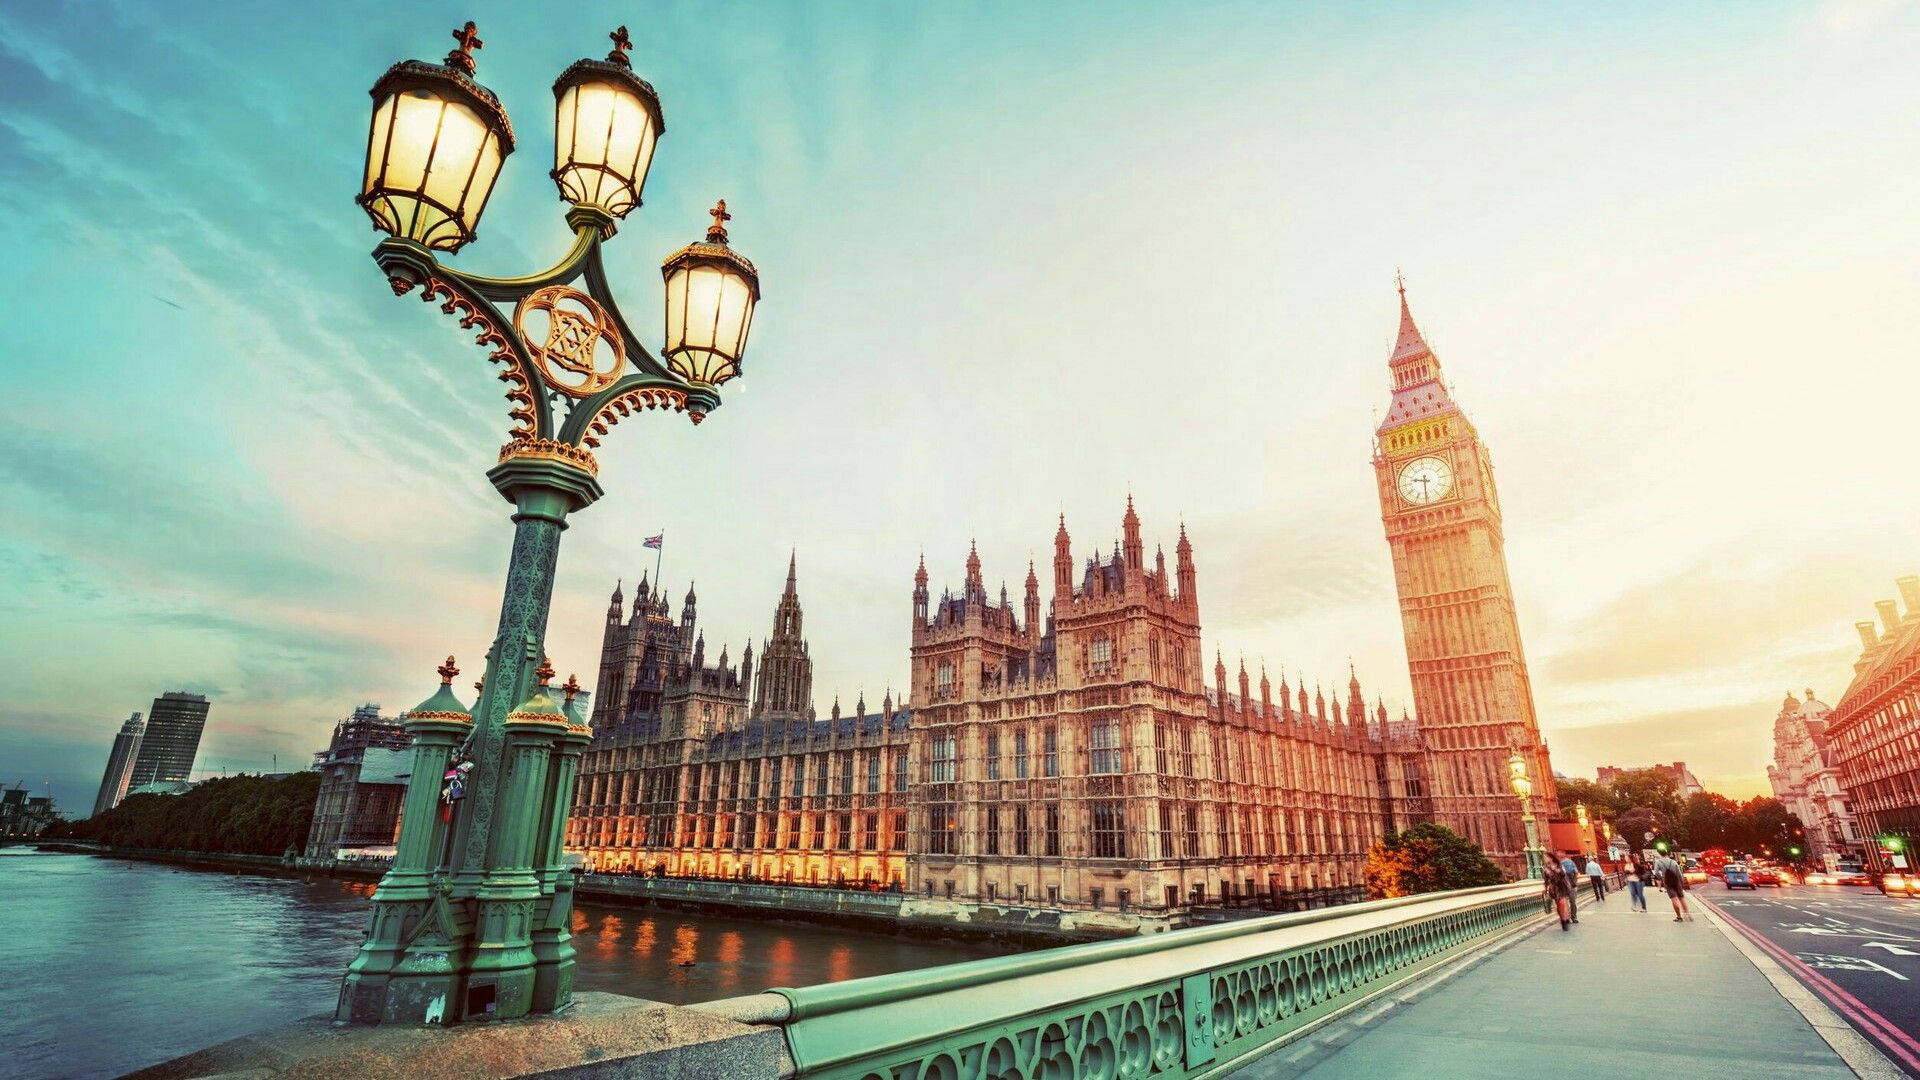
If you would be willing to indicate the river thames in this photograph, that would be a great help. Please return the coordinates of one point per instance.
(114, 965)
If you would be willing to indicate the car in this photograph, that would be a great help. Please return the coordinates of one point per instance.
(1896, 883)
(1735, 875)
(1851, 877)
(1764, 875)
(1696, 877)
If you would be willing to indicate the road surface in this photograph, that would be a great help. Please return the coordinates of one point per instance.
(1856, 948)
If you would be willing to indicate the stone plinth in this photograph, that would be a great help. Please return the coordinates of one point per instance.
(600, 1035)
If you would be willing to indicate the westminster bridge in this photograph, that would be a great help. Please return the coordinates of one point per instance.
(1470, 983)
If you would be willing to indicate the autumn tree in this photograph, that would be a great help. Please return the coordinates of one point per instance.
(1426, 858)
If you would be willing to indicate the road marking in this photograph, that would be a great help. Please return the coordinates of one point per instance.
(1829, 962)
(1903, 1045)
(1821, 930)
(1892, 949)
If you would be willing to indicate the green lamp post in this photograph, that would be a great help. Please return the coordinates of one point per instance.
(472, 920)
(1523, 788)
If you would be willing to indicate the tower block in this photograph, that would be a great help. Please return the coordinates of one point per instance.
(1471, 694)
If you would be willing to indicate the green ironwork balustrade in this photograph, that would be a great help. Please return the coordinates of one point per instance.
(472, 920)
(1191, 1004)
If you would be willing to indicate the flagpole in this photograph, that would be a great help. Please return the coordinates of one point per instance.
(659, 553)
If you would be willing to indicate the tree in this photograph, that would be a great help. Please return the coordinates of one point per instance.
(1426, 858)
(1708, 820)
(252, 815)
(1600, 800)
(1652, 788)
(1770, 827)
(1636, 823)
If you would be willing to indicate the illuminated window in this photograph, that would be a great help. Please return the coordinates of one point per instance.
(941, 829)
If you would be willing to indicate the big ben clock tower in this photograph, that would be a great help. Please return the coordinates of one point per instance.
(1470, 687)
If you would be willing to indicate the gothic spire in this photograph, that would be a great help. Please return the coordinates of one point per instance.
(1410, 344)
(793, 560)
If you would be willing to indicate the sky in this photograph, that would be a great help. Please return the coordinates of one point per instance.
(1018, 260)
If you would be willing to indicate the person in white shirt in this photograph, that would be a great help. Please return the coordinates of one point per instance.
(1596, 879)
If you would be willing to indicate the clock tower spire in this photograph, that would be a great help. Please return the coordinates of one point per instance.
(1471, 692)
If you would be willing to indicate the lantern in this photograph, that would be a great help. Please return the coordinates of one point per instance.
(434, 149)
(1517, 775)
(711, 291)
(606, 121)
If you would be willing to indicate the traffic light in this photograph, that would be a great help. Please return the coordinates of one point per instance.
(1893, 843)
(1660, 845)
(1795, 852)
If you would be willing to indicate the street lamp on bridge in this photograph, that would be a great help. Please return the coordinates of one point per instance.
(472, 920)
(1523, 788)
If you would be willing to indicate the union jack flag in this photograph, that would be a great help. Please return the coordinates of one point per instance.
(655, 541)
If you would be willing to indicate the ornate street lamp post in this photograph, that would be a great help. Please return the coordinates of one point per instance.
(1523, 788)
(472, 920)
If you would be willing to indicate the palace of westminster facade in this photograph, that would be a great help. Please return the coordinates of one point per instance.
(1078, 756)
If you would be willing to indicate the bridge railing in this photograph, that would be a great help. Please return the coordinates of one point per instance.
(1193, 1003)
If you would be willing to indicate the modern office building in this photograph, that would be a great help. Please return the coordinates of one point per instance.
(171, 741)
(126, 748)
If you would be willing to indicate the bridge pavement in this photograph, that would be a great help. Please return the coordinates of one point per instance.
(1621, 994)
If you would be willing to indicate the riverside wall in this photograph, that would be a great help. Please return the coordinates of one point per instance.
(875, 912)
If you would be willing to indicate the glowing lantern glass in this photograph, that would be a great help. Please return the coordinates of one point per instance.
(434, 149)
(711, 291)
(606, 121)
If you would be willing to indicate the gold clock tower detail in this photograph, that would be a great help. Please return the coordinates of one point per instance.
(1471, 693)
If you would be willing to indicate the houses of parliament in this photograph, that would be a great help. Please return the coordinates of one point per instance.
(1080, 753)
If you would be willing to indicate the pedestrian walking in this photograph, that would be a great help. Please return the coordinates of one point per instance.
(1674, 881)
(1572, 870)
(1595, 879)
(1637, 874)
(1558, 889)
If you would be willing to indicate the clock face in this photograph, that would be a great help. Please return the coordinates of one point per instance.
(1425, 480)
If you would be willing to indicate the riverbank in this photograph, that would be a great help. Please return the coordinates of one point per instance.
(1016, 928)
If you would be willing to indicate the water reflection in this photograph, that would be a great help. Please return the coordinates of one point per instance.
(136, 940)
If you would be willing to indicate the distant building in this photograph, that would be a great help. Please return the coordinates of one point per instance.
(126, 748)
(688, 776)
(23, 815)
(172, 739)
(1876, 725)
(1806, 777)
(1683, 779)
(363, 780)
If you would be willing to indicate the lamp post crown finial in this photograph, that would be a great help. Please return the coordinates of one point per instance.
(447, 671)
(717, 232)
(572, 688)
(462, 57)
(544, 672)
(622, 45)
